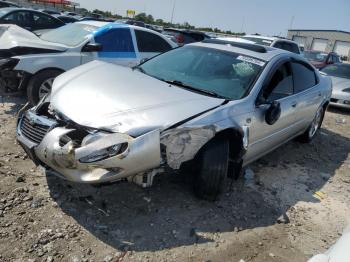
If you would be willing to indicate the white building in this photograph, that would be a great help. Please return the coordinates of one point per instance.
(323, 40)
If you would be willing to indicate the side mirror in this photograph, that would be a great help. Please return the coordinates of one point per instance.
(273, 113)
(92, 47)
(143, 60)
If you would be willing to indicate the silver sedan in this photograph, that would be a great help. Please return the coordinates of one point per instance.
(340, 74)
(210, 107)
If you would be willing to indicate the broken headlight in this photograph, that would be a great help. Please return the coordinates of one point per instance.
(101, 154)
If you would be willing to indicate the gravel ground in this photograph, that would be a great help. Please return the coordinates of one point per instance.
(293, 203)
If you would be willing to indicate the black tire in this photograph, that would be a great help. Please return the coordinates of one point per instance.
(308, 136)
(211, 176)
(36, 81)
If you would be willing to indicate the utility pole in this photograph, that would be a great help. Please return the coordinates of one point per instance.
(291, 22)
(172, 13)
(243, 22)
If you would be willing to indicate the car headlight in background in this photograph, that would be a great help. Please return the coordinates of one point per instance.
(346, 90)
(102, 154)
(8, 63)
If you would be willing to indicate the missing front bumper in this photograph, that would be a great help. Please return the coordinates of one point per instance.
(141, 155)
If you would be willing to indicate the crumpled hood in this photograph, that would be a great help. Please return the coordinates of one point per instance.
(103, 95)
(12, 36)
(340, 83)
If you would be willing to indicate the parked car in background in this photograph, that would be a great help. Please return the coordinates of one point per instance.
(276, 42)
(340, 74)
(7, 4)
(91, 18)
(72, 14)
(135, 22)
(66, 19)
(29, 19)
(184, 36)
(31, 62)
(157, 28)
(320, 59)
(211, 107)
(50, 11)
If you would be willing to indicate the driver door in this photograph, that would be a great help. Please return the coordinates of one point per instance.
(117, 47)
(263, 137)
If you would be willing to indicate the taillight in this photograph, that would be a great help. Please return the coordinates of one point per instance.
(180, 38)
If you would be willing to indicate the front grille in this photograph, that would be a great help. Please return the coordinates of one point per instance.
(32, 131)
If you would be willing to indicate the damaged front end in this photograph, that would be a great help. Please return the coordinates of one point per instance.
(11, 80)
(83, 154)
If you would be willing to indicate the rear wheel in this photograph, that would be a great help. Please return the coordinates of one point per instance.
(211, 176)
(315, 125)
(41, 84)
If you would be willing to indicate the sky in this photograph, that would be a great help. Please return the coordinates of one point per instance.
(268, 17)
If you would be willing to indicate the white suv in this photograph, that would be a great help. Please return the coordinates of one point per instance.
(31, 62)
(274, 42)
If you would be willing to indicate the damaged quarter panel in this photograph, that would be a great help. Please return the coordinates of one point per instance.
(182, 143)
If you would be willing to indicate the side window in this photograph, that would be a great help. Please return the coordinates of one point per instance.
(44, 21)
(116, 43)
(295, 48)
(280, 85)
(287, 46)
(278, 45)
(149, 42)
(20, 18)
(337, 59)
(304, 77)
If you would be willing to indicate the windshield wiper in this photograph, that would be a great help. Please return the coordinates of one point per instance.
(203, 91)
(139, 68)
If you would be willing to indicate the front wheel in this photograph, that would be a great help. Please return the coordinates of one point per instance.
(315, 125)
(211, 172)
(41, 84)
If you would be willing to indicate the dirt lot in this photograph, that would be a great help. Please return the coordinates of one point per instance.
(296, 205)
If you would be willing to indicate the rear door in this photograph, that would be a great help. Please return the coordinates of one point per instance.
(150, 44)
(307, 92)
(117, 47)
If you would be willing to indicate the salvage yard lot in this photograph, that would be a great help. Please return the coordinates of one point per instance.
(296, 205)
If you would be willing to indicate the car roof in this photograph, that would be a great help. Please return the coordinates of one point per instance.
(7, 2)
(10, 9)
(105, 25)
(180, 30)
(272, 38)
(94, 23)
(239, 48)
(236, 39)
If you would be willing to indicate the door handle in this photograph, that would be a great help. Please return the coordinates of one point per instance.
(294, 104)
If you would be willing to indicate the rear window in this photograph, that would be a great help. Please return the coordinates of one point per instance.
(304, 77)
(150, 42)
